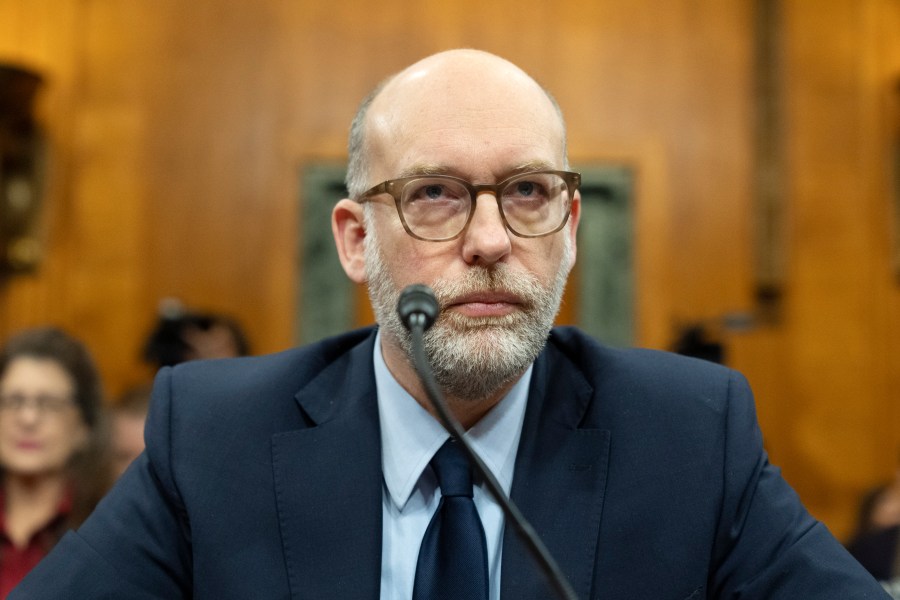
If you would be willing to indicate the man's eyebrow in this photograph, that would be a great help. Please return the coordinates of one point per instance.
(435, 169)
(533, 165)
(425, 169)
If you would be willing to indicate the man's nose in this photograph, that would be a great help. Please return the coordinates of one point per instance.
(486, 240)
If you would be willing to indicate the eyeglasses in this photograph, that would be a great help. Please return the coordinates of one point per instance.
(44, 403)
(438, 208)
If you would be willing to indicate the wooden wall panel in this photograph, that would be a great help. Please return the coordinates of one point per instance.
(826, 375)
(180, 130)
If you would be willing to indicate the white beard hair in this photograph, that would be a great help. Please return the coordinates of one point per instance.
(473, 357)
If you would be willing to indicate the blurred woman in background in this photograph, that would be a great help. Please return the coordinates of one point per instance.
(53, 464)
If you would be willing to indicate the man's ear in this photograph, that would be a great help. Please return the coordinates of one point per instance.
(349, 236)
(572, 225)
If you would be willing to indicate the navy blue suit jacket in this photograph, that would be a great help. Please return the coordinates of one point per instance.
(643, 473)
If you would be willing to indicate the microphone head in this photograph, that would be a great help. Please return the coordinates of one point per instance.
(417, 301)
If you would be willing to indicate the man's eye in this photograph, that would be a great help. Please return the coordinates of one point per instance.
(433, 191)
(525, 188)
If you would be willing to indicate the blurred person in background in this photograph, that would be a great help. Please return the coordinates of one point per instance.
(126, 423)
(876, 541)
(180, 335)
(52, 446)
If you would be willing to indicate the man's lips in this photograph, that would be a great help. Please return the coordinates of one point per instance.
(484, 304)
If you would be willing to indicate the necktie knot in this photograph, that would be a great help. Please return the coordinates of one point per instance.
(452, 469)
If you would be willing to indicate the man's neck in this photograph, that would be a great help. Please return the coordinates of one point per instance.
(467, 411)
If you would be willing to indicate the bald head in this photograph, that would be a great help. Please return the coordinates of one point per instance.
(447, 91)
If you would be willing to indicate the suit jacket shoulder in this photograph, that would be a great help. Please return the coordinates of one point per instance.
(680, 501)
(257, 471)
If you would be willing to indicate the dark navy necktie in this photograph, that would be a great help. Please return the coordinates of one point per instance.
(453, 558)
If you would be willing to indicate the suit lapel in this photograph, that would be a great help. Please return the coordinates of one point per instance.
(559, 481)
(328, 484)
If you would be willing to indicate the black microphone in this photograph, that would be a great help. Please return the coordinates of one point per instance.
(418, 310)
(417, 302)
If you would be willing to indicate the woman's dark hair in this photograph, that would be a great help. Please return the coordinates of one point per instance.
(90, 471)
(54, 344)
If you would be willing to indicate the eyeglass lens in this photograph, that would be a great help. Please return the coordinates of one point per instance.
(438, 207)
(42, 402)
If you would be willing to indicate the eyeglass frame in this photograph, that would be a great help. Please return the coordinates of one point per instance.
(45, 404)
(394, 188)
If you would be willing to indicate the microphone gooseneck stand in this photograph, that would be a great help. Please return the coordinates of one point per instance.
(418, 310)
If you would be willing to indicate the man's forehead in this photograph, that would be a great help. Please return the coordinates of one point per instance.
(423, 169)
(463, 103)
(481, 154)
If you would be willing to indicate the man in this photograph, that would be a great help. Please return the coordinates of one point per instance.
(306, 474)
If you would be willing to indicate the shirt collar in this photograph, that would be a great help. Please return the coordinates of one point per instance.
(410, 435)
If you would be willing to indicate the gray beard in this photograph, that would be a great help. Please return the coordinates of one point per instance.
(473, 357)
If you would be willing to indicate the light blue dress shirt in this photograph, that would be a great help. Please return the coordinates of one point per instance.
(409, 438)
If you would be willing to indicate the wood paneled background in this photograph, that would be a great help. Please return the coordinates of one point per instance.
(179, 130)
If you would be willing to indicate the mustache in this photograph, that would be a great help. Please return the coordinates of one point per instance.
(498, 278)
